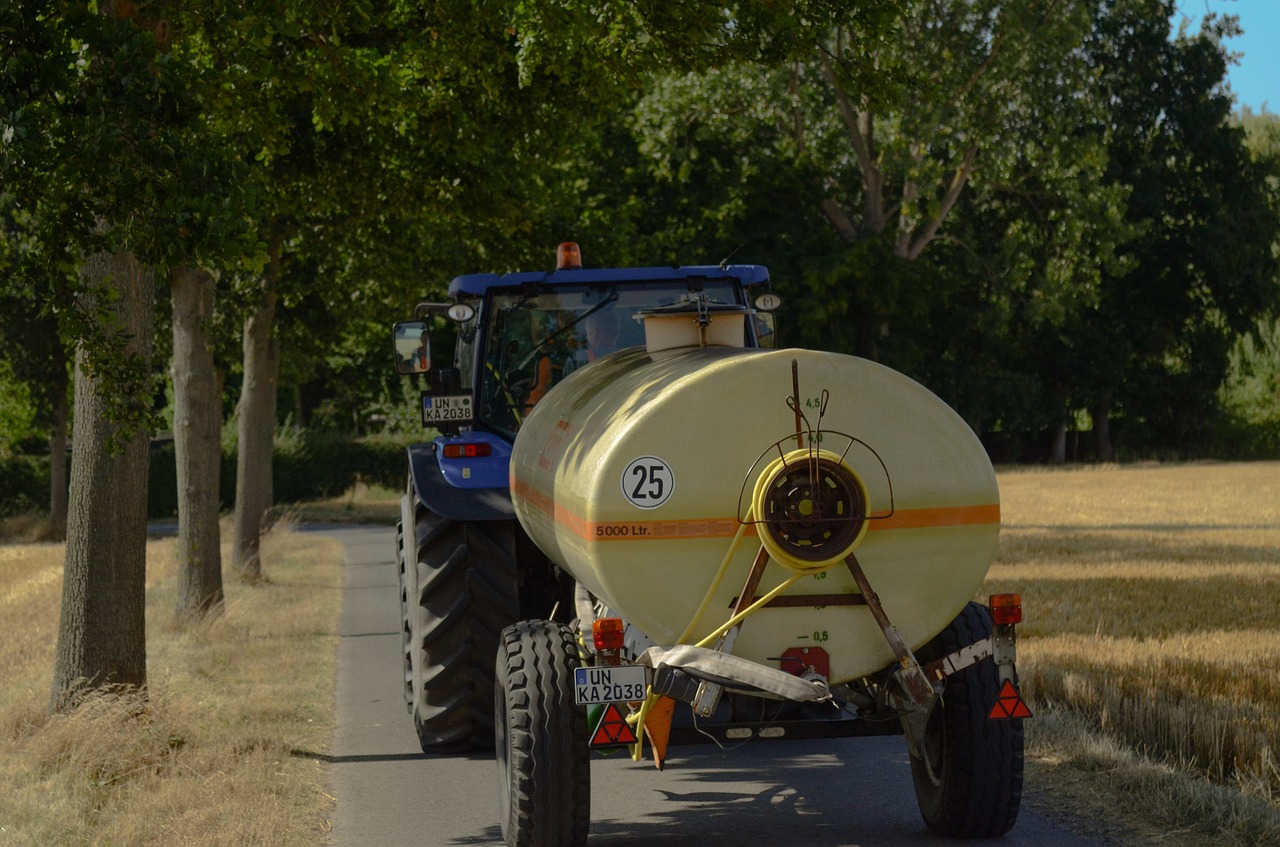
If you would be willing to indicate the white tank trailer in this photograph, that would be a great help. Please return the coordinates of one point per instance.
(788, 541)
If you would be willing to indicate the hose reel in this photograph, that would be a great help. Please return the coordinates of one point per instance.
(811, 510)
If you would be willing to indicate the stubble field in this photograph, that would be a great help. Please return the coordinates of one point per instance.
(1152, 604)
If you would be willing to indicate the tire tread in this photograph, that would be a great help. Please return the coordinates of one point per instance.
(982, 769)
(467, 592)
(542, 735)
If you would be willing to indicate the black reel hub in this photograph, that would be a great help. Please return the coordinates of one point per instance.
(814, 509)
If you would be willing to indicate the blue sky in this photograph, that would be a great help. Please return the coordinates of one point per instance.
(1256, 79)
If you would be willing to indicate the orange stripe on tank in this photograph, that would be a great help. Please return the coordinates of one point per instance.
(628, 530)
(987, 513)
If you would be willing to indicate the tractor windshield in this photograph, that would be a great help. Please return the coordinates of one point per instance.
(534, 340)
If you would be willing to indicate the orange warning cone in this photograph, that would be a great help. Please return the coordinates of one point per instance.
(1009, 704)
(657, 725)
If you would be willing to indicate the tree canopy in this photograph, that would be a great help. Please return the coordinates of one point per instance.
(983, 194)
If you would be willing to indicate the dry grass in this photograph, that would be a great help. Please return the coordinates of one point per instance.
(362, 504)
(1152, 597)
(225, 747)
(26, 528)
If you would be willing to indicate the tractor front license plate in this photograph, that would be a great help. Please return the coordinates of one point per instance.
(447, 408)
(618, 684)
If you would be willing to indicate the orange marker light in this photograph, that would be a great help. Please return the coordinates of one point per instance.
(607, 633)
(1005, 609)
(568, 256)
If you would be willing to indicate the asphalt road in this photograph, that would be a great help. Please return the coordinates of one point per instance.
(834, 793)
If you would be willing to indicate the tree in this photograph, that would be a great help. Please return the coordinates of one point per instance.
(37, 262)
(1251, 391)
(96, 165)
(101, 635)
(372, 123)
(38, 359)
(102, 631)
(255, 424)
(880, 130)
(1200, 268)
(197, 425)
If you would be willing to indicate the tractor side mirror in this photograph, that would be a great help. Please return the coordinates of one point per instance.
(766, 329)
(766, 323)
(413, 347)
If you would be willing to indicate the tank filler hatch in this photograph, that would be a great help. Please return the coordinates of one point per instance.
(695, 321)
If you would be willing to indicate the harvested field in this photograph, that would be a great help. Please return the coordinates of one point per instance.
(1152, 604)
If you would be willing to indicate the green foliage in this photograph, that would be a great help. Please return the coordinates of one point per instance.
(1251, 396)
(307, 465)
(1034, 208)
(319, 465)
(1199, 267)
(1112, 235)
(17, 414)
(105, 152)
(24, 484)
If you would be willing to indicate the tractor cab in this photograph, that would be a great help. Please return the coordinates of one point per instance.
(520, 334)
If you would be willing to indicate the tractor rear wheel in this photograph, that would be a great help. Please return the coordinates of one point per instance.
(969, 779)
(408, 588)
(464, 592)
(544, 768)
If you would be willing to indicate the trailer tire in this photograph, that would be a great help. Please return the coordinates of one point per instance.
(969, 780)
(466, 591)
(544, 768)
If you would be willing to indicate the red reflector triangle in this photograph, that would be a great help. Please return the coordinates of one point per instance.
(1009, 704)
(612, 729)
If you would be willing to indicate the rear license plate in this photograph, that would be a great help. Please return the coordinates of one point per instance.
(621, 684)
(447, 408)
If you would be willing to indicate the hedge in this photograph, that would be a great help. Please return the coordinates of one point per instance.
(306, 467)
(24, 485)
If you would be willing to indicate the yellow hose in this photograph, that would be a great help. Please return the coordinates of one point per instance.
(636, 719)
(798, 567)
(749, 611)
(715, 583)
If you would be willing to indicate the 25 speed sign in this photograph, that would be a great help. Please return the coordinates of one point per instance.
(647, 482)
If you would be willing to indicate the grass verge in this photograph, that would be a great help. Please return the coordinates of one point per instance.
(223, 750)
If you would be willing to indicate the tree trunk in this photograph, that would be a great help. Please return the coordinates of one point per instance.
(197, 431)
(1058, 453)
(255, 425)
(102, 630)
(1102, 432)
(58, 468)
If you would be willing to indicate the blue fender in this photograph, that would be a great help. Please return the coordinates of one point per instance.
(448, 501)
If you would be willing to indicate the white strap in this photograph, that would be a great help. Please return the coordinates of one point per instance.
(734, 670)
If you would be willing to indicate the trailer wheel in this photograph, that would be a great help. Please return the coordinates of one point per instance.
(466, 587)
(544, 769)
(969, 780)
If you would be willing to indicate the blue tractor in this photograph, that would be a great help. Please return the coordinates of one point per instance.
(467, 568)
